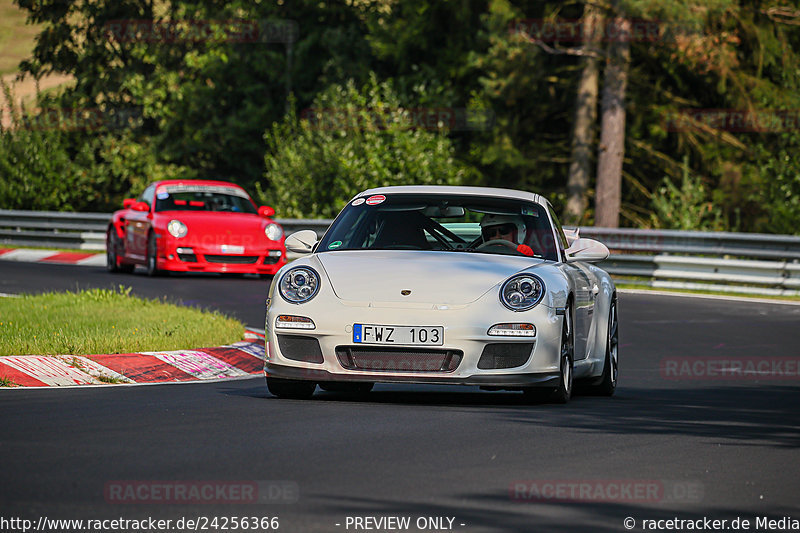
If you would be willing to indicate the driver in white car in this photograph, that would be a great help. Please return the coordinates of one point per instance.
(509, 228)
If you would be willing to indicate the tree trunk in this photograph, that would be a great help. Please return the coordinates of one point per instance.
(580, 166)
(612, 129)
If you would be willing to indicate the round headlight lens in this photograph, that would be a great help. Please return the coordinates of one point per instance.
(177, 229)
(273, 231)
(299, 285)
(522, 292)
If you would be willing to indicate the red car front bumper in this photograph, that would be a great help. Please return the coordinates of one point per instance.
(197, 259)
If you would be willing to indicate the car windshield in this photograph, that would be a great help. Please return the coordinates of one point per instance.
(203, 198)
(443, 223)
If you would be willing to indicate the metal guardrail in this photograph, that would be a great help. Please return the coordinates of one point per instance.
(84, 231)
(774, 278)
(753, 245)
(290, 225)
(728, 262)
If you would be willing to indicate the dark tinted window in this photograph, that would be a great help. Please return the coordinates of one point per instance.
(200, 198)
(442, 223)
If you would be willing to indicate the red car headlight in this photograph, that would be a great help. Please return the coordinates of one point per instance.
(177, 229)
(273, 232)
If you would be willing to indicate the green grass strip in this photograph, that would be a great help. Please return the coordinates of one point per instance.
(107, 321)
(733, 294)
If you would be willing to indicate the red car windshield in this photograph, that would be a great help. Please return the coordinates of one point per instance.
(204, 199)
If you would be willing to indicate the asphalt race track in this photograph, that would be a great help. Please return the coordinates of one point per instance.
(708, 446)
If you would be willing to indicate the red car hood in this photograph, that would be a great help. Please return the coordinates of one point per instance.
(209, 229)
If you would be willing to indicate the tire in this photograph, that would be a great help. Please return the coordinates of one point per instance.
(151, 264)
(347, 388)
(563, 392)
(608, 381)
(291, 389)
(113, 247)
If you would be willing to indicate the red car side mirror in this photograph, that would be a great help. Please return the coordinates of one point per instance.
(266, 211)
(127, 202)
(140, 206)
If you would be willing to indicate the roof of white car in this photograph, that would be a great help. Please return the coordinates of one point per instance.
(452, 190)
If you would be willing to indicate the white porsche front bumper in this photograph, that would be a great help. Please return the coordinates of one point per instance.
(468, 355)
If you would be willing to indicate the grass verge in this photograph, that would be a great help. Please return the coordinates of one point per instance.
(622, 285)
(105, 321)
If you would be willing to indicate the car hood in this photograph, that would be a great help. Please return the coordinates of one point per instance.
(216, 221)
(454, 278)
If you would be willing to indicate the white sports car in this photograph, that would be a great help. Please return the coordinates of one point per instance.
(444, 285)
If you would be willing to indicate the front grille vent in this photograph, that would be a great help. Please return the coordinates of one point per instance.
(383, 359)
(232, 259)
(505, 355)
(300, 348)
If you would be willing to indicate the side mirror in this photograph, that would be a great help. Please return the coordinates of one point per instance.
(588, 250)
(301, 242)
(127, 202)
(266, 211)
(140, 206)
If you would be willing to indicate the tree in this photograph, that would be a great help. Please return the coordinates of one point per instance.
(612, 128)
(352, 139)
(206, 82)
(583, 129)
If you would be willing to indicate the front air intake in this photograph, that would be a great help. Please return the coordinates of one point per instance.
(505, 355)
(300, 348)
(379, 359)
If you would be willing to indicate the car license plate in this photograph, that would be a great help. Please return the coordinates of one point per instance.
(380, 334)
(231, 249)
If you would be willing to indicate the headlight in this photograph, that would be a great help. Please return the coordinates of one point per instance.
(299, 285)
(522, 292)
(273, 232)
(177, 229)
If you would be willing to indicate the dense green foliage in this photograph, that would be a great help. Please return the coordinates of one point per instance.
(237, 109)
(62, 159)
(348, 141)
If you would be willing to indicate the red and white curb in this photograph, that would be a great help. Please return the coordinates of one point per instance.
(241, 359)
(51, 256)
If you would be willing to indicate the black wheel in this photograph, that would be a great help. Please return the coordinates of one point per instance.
(608, 381)
(152, 250)
(563, 393)
(113, 248)
(290, 388)
(348, 388)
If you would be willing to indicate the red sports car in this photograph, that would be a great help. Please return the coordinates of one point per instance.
(195, 226)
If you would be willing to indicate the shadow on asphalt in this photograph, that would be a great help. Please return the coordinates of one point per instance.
(753, 415)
